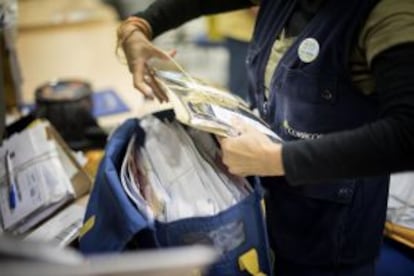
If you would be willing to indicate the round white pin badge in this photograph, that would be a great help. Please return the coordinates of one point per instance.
(308, 50)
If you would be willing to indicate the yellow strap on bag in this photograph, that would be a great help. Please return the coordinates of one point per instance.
(88, 225)
(249, 261)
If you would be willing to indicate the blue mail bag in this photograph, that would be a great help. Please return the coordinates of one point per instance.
(114, 224)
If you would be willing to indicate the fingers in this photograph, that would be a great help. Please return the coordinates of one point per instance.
(138, 54)
(229, 159)
(165, 55)
(160, 54)
(172, 52)
(158, 92)
(138, 73)
(144, 82)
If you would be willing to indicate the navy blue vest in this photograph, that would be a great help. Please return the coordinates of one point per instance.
(337, 222)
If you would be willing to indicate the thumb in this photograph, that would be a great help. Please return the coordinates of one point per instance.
(166, 55)
(172, 52)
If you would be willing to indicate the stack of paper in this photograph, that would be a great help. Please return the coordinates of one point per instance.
(176, 176)
(32, 179)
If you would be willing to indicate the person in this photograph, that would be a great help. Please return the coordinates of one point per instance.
(334, 79)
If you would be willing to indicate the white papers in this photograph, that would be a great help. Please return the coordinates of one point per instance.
(39, 175)
(228, 116)
(184, 182)
(401, 200)
(131, 183)
(62, 228)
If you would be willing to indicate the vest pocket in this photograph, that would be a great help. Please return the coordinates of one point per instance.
(339, 191)
(300, 85)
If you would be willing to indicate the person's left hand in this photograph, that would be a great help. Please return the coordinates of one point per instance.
(251, 153)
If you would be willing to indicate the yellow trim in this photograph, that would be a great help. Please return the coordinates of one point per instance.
(249, 261)
(88, 225)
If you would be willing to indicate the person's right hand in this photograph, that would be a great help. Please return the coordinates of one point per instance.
(138, 50)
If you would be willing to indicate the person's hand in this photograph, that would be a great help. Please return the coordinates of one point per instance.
(138, 50)
(251, 153)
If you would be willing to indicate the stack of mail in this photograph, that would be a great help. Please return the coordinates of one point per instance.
(33, 180)
(177, 174)
(204, 106)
